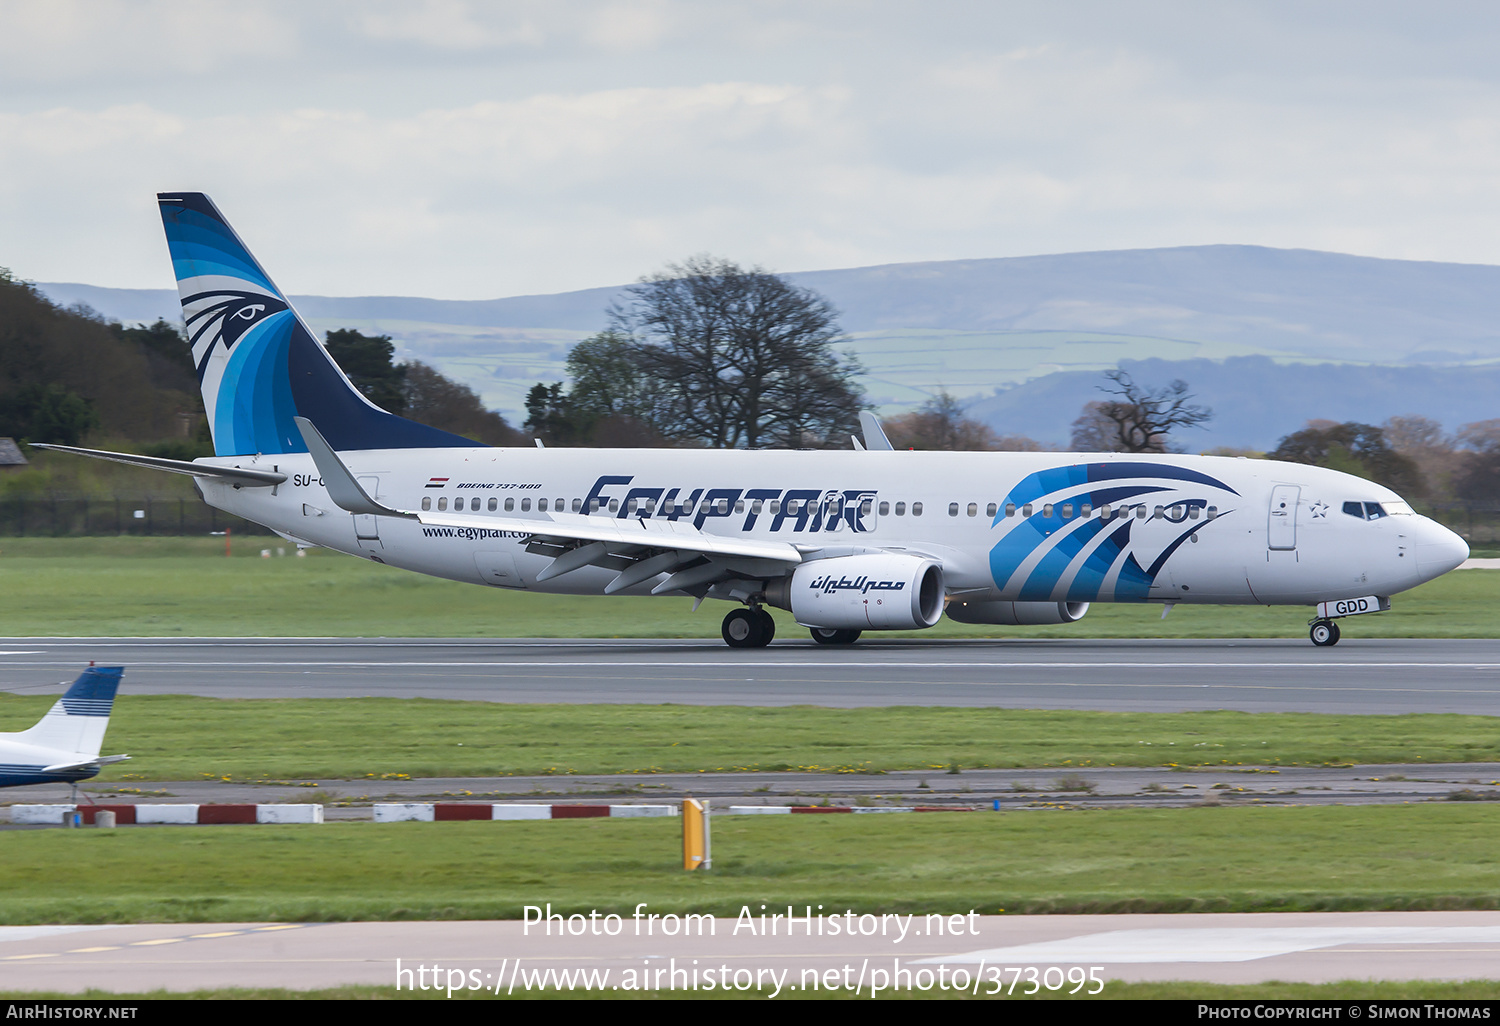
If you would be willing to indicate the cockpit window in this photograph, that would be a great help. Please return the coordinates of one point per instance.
(1377, 510)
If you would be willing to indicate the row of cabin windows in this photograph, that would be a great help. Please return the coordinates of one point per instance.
(1065, 510)
(648, 506)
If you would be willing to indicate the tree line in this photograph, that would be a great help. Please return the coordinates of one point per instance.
(705, 353)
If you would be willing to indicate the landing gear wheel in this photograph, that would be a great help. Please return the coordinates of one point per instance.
(767, 626)
(1324, 633)
(828, 636)
(743, 628)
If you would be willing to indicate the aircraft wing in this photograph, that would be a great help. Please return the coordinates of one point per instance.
(639, 549)
(614, 531)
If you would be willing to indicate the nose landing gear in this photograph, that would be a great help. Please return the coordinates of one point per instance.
(1324, 633)
(751, 627)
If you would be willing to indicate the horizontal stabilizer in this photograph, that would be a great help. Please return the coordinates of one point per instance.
(64, 767)
(239, 475)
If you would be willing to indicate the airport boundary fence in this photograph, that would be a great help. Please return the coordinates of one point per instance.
(24, 516)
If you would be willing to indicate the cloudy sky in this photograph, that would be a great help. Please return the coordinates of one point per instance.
(471, 150)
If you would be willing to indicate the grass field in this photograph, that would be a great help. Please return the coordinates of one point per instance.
(185, 738)
(1127, 860)
(163, 587)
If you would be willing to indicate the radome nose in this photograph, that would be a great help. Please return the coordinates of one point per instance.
(1438, 550)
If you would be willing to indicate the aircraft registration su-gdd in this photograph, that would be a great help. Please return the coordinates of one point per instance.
(847, 541)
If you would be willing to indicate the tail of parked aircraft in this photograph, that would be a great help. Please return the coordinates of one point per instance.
(78, 720)
(258, 364)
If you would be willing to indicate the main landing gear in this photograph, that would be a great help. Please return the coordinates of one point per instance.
(751, 627)
(829, 636)
(1324, 633)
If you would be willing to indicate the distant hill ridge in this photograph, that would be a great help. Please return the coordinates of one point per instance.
(1021, 340)
(1300, 302)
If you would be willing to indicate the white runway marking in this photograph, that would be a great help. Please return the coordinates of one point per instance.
(25, 933)
(1238, 944)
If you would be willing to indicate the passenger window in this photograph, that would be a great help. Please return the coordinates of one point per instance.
(885, 509)
(687, 507)
(1067, 511)
(1213, 511)
(793, 505)
(1026, 510)
(973, 509)
(1192, 512)
(776, 506)
(739, 506)
(916, 509)
(953, 509)
(577, 505)
(426, 502)
(1104, 513)
(1087, 510)
(1047, 510)
(1157, 514)
(650, 507)
(443, 503)
(1140, 512)
(526, 505)
(757, 506)
(990, 510)
(494, 502)
(510, 504)
(900, 509)
(541, 505)
(864, 507)
(558, 505)
(1010, 509)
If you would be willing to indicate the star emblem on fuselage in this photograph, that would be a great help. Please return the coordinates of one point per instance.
(1319, 509)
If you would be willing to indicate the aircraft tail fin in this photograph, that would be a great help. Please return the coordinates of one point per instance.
(259, 365)
(78, 721)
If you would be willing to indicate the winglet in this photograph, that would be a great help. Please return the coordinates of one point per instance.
(342, 486)
(874, 435)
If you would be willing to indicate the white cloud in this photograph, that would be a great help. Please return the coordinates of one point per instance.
(475, 149)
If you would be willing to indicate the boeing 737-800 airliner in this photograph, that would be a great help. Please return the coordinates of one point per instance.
(848, 541)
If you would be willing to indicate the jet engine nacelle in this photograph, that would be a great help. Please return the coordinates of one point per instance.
(874, 592)
(1017, 614)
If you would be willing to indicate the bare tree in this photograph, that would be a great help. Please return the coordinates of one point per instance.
(744, 358)
(1139, 420)
(1424, 442)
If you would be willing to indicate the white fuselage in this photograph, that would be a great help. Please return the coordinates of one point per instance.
(1004, 526)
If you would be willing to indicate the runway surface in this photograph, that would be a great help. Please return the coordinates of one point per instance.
(1020, 952)
(1387, 676)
